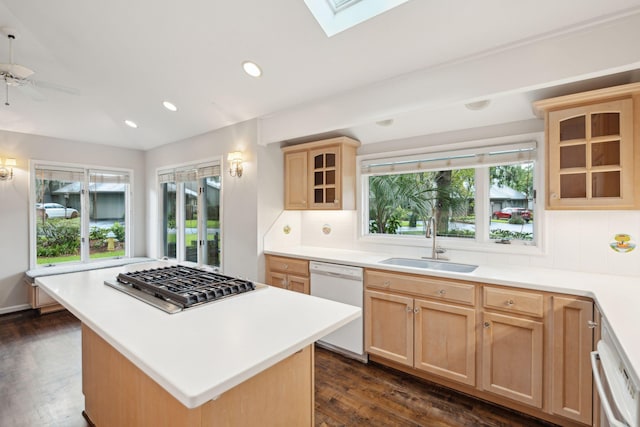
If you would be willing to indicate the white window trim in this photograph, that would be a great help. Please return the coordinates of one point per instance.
(84, 228)
(481, 243)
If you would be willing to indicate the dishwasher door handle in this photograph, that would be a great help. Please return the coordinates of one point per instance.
(604, 401)
(338, 275)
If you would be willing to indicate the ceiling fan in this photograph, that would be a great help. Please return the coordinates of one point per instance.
(19, 76)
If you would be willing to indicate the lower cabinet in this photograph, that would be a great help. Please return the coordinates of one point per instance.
(445, 340)
(425, 323)
(512, 351)
(573, 340)
(521, 348)
(389, 326)
(288, 273)
(426, 335)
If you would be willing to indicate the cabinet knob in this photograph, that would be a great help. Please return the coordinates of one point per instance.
(591, 324)
(386, 283)
(509, 302)
(554, 195)
(486, 325)
(416, 310)
(409, 309)
(442, 292)
(286, 266)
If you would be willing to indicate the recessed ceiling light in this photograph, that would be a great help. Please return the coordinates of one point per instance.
(252, 69)
(131, 124)
(478, 105)
(169, 106)
(385, 123)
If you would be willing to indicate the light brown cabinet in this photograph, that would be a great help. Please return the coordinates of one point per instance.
(321, 174)
(445, 340)
(593, 149)
(429, 335)
(521, 348)
(512, 344)
(389, 326)
(287, 273)
(573, 339)
(512, 357)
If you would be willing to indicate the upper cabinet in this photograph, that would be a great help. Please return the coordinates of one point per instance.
(593, 149)
(321, 174)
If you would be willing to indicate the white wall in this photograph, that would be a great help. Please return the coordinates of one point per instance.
(14, 201)
(573, 240)
(249, 203)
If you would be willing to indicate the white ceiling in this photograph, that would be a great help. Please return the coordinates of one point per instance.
(417, 64)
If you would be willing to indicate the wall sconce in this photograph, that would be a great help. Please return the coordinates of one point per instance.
(235, 163)
(6, 171)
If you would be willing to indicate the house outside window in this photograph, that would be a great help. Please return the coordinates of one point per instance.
(475, 195)
(80, 214)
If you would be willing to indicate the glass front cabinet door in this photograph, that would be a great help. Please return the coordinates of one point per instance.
(591, 155)
(325, 185)
(321, 175)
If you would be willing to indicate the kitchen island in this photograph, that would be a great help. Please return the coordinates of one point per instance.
(242, 360)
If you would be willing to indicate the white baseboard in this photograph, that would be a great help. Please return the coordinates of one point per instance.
(5, 310)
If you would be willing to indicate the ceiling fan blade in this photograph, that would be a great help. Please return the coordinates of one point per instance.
(32, 92)
(16, 70)
(53, 86)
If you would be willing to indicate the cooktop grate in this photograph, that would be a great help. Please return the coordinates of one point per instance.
(185, 285)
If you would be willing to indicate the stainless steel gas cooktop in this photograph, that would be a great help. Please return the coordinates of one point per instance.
(177, 288)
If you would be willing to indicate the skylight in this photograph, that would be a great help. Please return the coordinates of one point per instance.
(335, 16)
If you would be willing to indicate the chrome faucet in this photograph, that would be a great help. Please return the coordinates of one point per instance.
(432, 232)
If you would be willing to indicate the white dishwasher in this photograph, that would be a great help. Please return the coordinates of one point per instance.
(343, 284)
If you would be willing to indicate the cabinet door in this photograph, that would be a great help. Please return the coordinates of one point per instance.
(512, 358)
(445, 340)
(277, 279)
(572, 388)
(389, 326)
(591, 156)
(298, 284)
(295, 180)
(325, 178)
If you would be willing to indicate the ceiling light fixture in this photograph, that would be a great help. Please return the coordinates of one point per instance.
(385, 123)
(251, 68)
(169, 106)
(131, 124)
(478, 105)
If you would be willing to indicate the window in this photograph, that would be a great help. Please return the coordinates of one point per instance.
(79, 214)
(190, 214)
(478, 195)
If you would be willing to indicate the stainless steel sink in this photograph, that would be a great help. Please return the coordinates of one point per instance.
(430, 264)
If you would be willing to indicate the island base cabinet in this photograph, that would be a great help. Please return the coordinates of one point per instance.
(117, 393)
(512, 358)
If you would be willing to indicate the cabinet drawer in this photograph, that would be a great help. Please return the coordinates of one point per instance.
(512, 301)
(299, 267)
(432, 287)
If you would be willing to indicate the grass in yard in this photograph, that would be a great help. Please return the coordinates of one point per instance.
(71, 258)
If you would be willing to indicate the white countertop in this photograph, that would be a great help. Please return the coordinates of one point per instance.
(199, 353)
(617, 297)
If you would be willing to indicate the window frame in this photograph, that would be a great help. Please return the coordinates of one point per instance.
(176, 170)
(86, 170)
(482, 241)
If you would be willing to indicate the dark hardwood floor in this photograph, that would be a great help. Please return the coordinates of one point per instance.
(40, 385)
